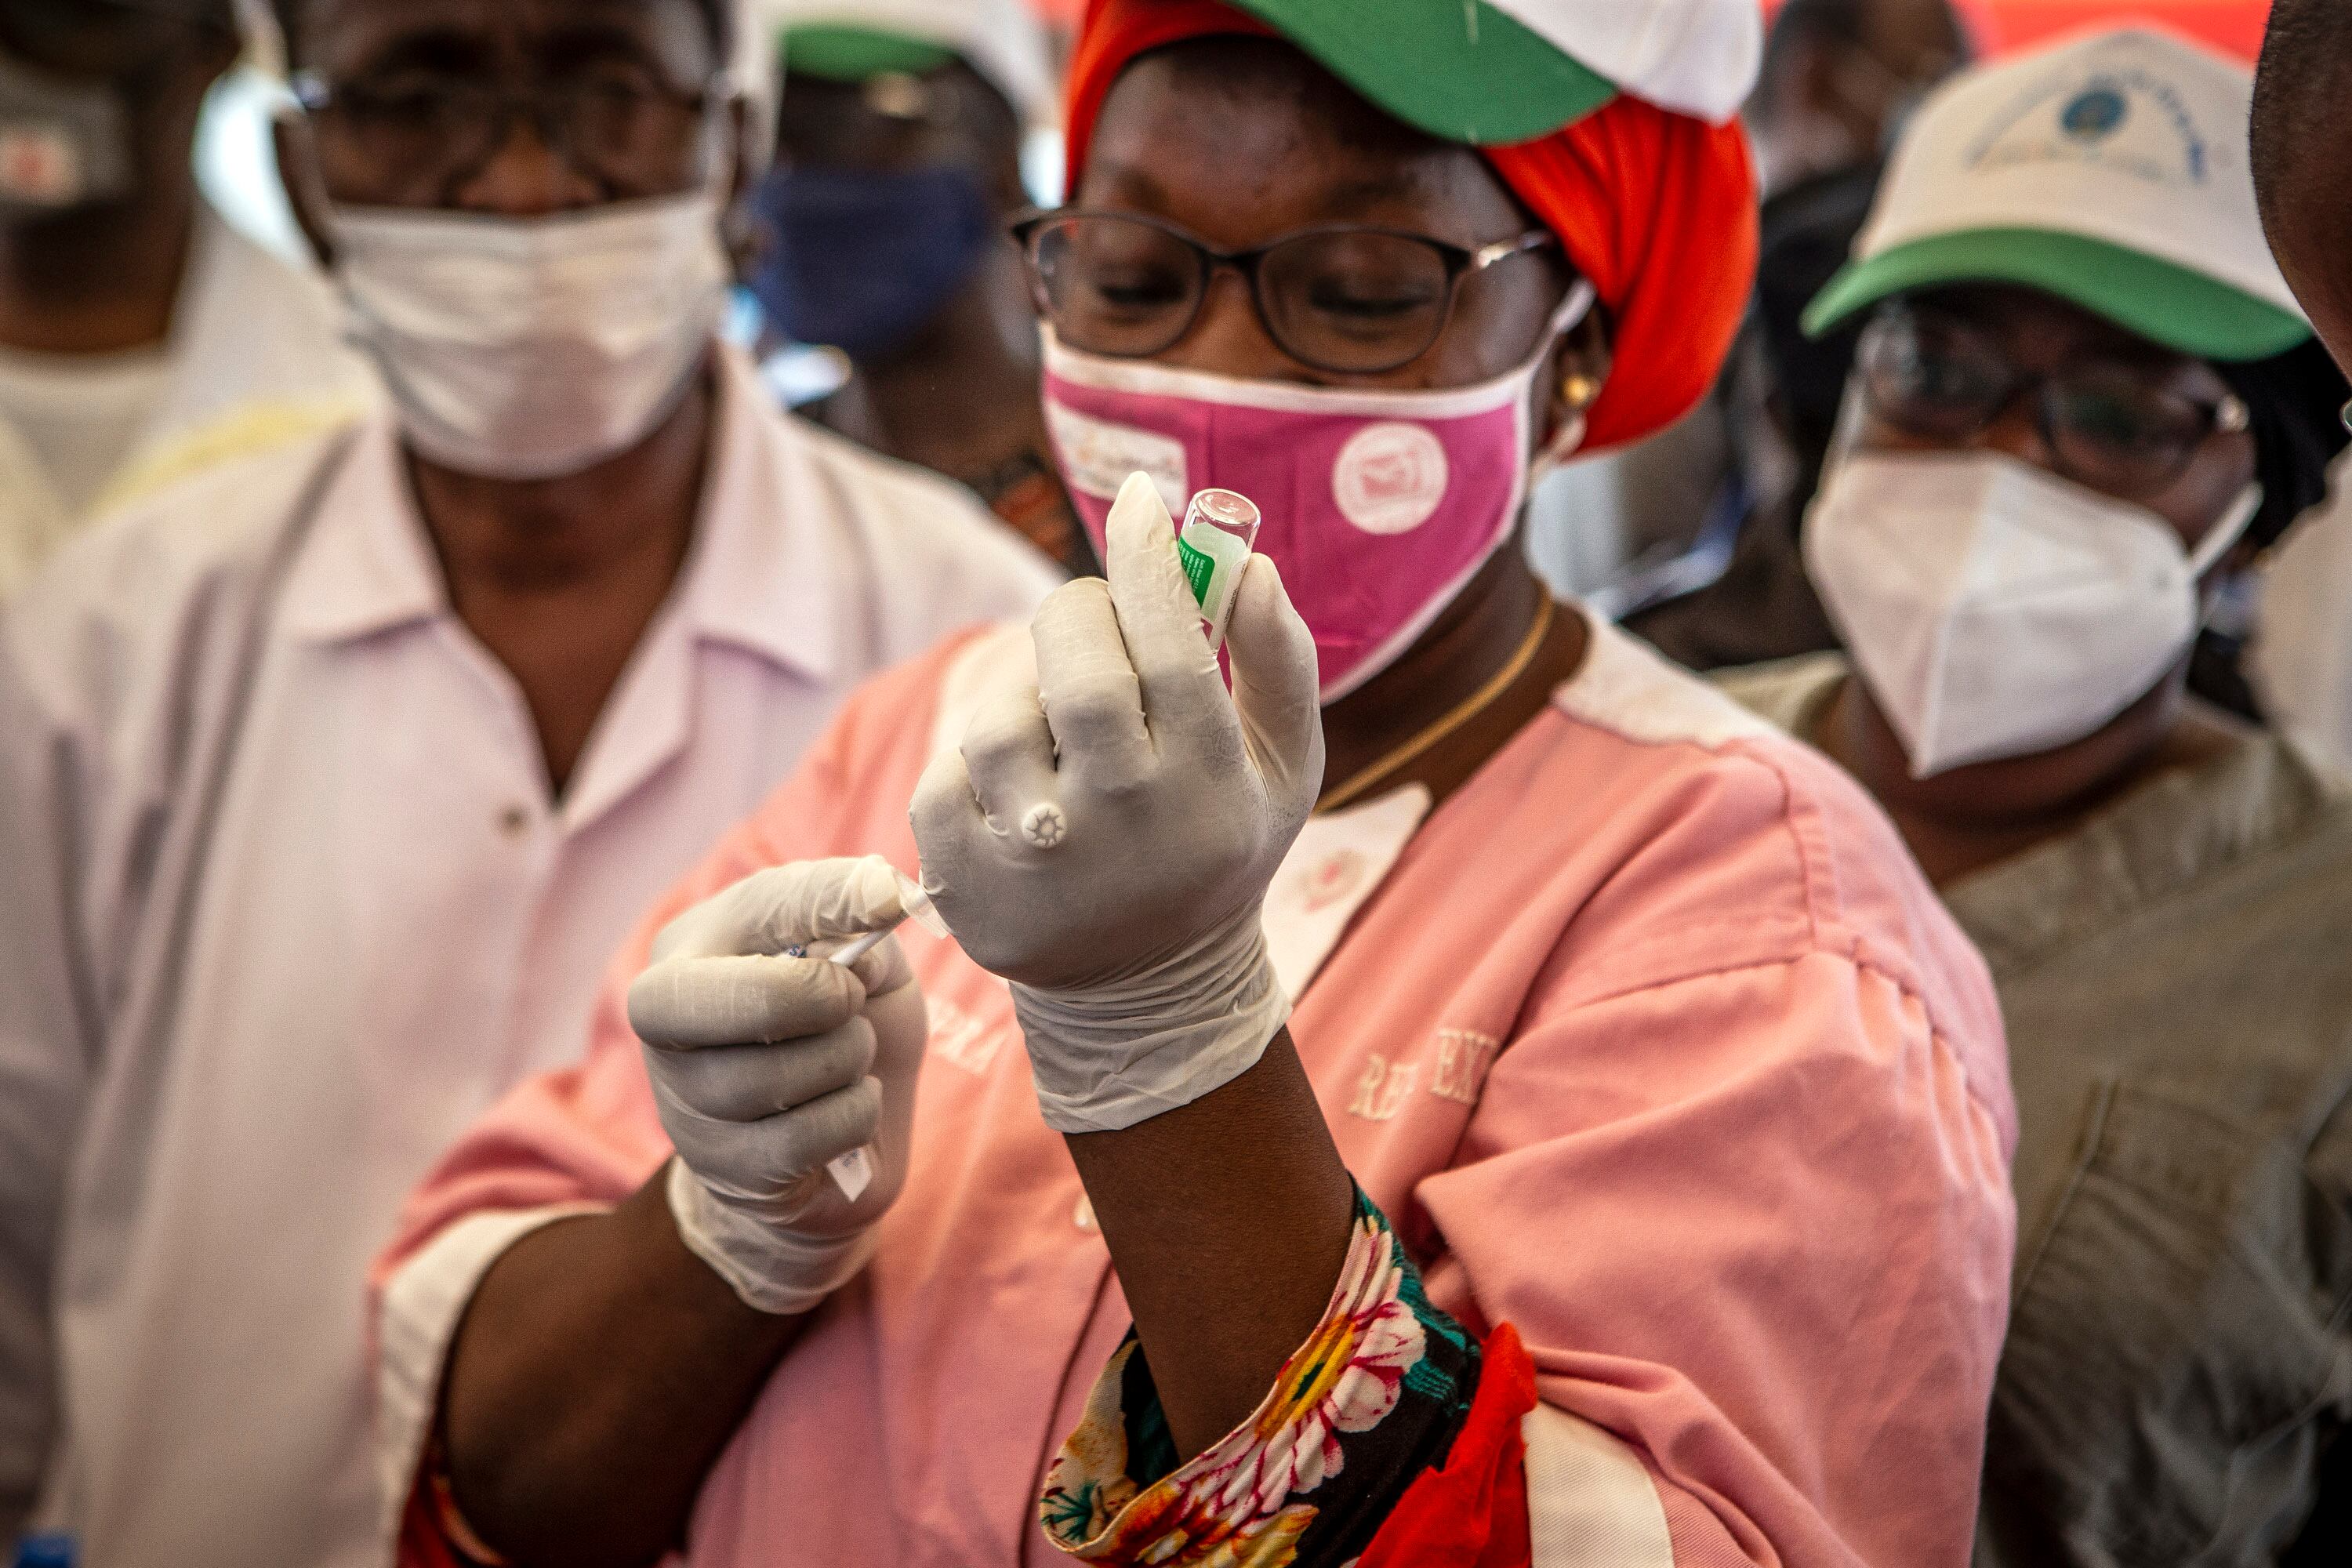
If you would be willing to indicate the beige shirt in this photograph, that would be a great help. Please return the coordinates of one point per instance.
(2177, 980)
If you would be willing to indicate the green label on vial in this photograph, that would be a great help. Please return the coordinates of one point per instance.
(1198, 570)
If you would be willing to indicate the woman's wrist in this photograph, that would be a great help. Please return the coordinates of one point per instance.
(1228, 1220)
(1107, 1056)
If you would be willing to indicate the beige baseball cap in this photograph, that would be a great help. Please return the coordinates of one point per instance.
(2109, 169)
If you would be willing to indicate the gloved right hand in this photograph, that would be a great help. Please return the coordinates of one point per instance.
(1104, 837)
(765, 1066)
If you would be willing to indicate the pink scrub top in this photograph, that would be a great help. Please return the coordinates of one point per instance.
(1650, 1040)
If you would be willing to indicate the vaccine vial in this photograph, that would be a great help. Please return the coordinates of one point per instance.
(1220, 529)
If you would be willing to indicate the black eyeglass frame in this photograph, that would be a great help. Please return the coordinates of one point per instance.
(547, 106)
(2229, 416)
(1460, 262)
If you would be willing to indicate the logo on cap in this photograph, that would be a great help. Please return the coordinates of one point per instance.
(2126, 119)
(2094, 114)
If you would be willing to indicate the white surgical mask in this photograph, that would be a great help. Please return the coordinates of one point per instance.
(1995, 610)
(529, 348)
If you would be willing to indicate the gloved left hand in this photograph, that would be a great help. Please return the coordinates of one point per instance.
(1104, 838)
(768, 1062)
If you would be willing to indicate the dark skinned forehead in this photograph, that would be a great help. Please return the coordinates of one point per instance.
(1290, 146)
(2043, 332)
(345, 37)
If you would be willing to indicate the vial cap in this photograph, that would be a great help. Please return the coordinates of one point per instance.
(1229, 509)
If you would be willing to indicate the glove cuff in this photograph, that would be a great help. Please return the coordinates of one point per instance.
(771, 1270)
(1109, 1057)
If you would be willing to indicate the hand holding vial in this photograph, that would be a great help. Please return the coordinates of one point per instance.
(1129, 926)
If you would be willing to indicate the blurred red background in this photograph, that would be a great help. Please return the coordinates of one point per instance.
(2232, 24)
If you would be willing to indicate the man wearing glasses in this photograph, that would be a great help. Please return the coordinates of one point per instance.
(140, 335)
(329, 780)
(2085, 400)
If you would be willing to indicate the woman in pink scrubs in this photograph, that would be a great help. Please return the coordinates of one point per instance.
(1582, 1139)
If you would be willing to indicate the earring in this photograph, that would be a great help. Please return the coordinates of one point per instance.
(1578, 391)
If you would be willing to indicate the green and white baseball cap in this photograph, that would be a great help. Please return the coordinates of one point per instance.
(855, 40)
(2110, 170)
(1494, 72)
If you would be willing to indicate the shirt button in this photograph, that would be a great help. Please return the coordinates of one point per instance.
(1083, 1218)
(515, 821)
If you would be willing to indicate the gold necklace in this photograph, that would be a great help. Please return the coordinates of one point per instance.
(1360, 784)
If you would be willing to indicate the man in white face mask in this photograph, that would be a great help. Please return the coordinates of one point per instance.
(2085, 400)
(327, 784)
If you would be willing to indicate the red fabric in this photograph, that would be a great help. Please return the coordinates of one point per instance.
(1658, 209)
(423, 1543)
(2003, 26)
(1473, 1512)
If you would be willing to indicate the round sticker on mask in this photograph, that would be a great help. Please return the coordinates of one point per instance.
(1390, 478)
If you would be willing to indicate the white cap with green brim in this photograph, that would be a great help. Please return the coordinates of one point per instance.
(2109, 170)
(1493, 73)
(855, 40)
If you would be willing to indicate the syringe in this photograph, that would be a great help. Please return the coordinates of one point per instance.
(853, 1172)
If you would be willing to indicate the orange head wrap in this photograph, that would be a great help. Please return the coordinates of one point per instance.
(1658, 209)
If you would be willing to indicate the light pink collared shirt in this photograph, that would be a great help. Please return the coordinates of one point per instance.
(1652, 1041)
(396, 923)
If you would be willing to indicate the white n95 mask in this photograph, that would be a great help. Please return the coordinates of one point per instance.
(529, 348)
(1995, 610)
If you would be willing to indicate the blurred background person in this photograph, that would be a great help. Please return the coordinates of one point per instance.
(2084, 399)
(140, 334)
(2299, 658)
(881, 237)
(1712, 504)
(2303, 96)
(1839, 78)
(330, 779)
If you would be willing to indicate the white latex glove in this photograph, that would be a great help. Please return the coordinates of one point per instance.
(767, 1067)
(1104, 838)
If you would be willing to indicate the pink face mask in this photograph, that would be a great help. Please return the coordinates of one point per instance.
(1380, 505)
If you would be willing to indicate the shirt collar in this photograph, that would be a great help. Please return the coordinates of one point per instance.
(2167, 835)
(764, 573)
(771, 561)
(368, 567)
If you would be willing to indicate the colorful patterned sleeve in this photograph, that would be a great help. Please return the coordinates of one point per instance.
(1369, 1406)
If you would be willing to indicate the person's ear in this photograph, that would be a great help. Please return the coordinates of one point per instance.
(220, 58)
(306, 187)
(745, 236)
(1577, 370)
(742, 122)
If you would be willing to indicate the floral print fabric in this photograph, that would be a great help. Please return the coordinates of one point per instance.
(1371, 1401)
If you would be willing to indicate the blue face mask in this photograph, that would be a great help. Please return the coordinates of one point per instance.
(863, 261)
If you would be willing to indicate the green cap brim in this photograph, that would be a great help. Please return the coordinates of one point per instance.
(840, 53)
(2168, 304)
(1457, 69)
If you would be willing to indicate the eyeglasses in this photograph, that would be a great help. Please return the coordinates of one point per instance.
(1349, 300)
(616, 123)
(2106, 424)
